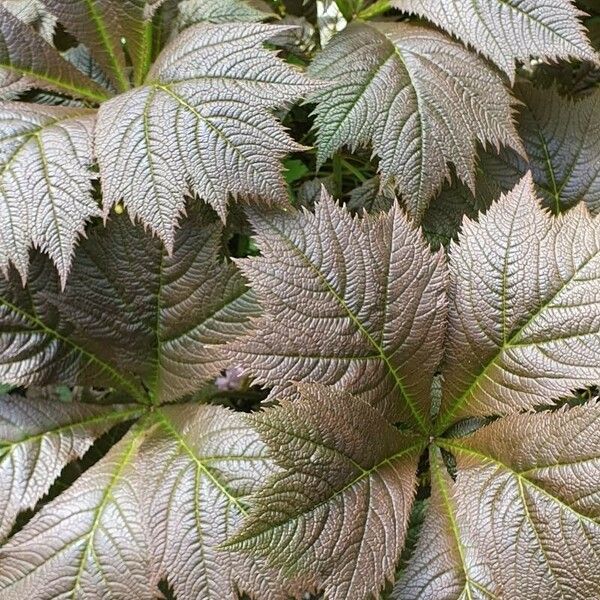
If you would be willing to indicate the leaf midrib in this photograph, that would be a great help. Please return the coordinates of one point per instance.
(458, 403)
(104, 366)
(341, 302)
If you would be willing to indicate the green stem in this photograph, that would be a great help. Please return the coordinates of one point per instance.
(353, 170)
(146, 54)
(380, 7)
(337, 175)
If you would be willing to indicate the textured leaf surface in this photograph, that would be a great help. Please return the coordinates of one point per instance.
(35, 14)
(338, 512)
(509, 30)
(90, 542)
(28, 60)
(102, 24)
(562, 140)
(371, 196)
(38, 438)
(128, 312)
(45, 188)
(535, 480)
(421, 99)
(205, 462)
(445, 565)
(359, 304)
(159, 505)
(524, 322)
(192, 12)
(201, 125)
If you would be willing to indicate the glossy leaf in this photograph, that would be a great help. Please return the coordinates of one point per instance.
(358, 304)
(510, 30)
(35, 14)
(45, 182)
(38, 438)
(27, 60)
(192, 12)
(524, 320)
(420, 99)
(201, 124)
(536, 533)
(129, 312)
(340, 500)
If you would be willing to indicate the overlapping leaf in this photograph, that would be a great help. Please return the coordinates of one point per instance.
(536, 533)
(35, 14)
(203, 463)
(158, 505)
(201, 124)
(45, 182)
(421, 99)
(38, 437)
(561, 137)
(129, 313)
(524, 320)
(28, 60)
(341, 499)
(359, 304)
(192, 12)
(510, 30)
(103, 26)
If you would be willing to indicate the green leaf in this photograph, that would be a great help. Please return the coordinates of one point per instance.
(422, 100)
(200, 124)
(509, 30)
(337, 515)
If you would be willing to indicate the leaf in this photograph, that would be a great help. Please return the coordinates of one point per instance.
(45, 188)
(205, 462)
(510, 30)
(158, 506)
(338, 512)
(421, 99)
(535, 480)
(27, 60)
(371, 196)
(358, 304)
(128, 312)
(80, 57)
(201, 124)
(524, 320)
(192, 12)
(38, 438)
(35, 14)
(102, 25)
(90, 542)
(444, 565)
(562, 140)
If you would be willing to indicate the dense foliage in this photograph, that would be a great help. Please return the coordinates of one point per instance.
(299, 298)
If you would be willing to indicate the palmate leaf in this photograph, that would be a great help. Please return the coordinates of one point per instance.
(27, 60)
(38, 438)
(130, 314)
(358, 304)
(562, 140)
(158, 505)
(340, 500)
(35, 14)
(421, 99)
(201, 124)
(45, 182)
(536, 532)
(510, 30)
(524, 318)
(523, 331)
